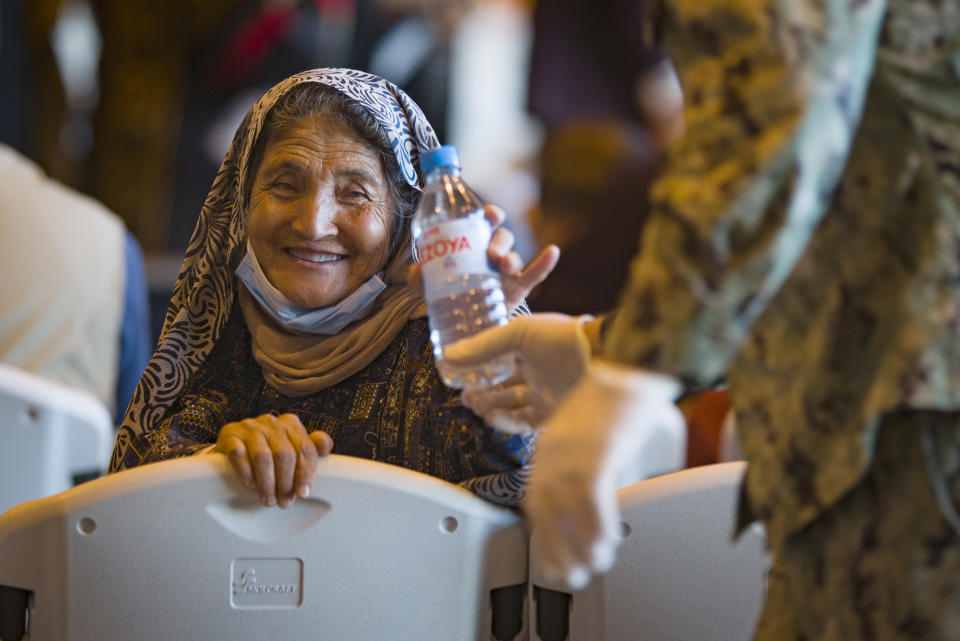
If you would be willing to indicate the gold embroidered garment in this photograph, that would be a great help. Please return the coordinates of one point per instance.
(396, 410)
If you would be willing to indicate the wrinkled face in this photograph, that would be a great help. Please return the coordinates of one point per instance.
(320, 213)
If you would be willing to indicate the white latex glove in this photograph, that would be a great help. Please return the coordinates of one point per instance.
(552, 355)
(599, 429)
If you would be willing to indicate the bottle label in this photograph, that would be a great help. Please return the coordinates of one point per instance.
(453, 248)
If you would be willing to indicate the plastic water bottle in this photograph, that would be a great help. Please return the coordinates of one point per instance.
(450, 238)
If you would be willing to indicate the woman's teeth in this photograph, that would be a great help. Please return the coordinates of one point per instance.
(313, 257)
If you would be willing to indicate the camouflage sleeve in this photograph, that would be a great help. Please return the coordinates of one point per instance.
(773, 91)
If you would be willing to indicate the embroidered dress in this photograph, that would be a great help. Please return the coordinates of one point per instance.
(395, 410)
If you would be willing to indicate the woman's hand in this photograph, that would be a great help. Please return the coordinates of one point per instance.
(275, 455)
(517, 281)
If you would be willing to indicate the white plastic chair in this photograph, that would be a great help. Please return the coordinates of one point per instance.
(679, 576)
(51, 436)
(181, 550)
(664, 450)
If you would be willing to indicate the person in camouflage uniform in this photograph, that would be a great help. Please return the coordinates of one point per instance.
(804, 244)
(810, 221)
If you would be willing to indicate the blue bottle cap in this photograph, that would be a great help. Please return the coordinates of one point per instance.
(442, 156)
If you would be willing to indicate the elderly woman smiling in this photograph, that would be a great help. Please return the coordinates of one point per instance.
(292, 330)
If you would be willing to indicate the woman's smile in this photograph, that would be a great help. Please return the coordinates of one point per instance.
(320, 213)
(314, 257)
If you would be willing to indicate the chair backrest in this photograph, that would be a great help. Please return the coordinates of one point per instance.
(664, 450)
(181, 550)
(679, 574)
(51, 436)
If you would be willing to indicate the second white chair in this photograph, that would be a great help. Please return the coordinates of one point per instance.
(679, 575)
(51, 436)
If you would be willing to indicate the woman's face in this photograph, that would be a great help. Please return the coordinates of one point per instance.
(320, 213)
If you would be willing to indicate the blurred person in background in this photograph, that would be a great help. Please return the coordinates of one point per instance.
(408, 43)
(73, 299)
(610, 103)
(118, 137)
(157, 62)
(33, 103)
(804, 241)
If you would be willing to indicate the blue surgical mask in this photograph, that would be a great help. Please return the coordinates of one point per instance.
(325, 320)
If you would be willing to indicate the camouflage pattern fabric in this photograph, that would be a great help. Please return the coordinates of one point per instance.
(883, 563)
(804, 241)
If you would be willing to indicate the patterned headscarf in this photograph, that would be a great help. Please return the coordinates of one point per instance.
(204, 292)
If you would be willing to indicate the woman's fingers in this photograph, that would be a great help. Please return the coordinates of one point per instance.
(285, 461)
(517, 281)
(305, 470)
(322, 441)
(511, 265)
(276, 455)
(500, 246)
(236, 452)
(261, 457)
(494, 215)
(538, 269)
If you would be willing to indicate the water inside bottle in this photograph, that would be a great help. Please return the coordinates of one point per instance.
(468, 304)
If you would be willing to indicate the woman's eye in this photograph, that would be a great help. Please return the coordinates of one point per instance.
(283, 187)
(355, 194)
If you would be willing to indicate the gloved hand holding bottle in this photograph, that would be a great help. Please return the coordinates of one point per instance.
(597, 419)
(552, 353)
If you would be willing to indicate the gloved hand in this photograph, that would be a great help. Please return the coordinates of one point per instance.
(552, 354)
(601, 427)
